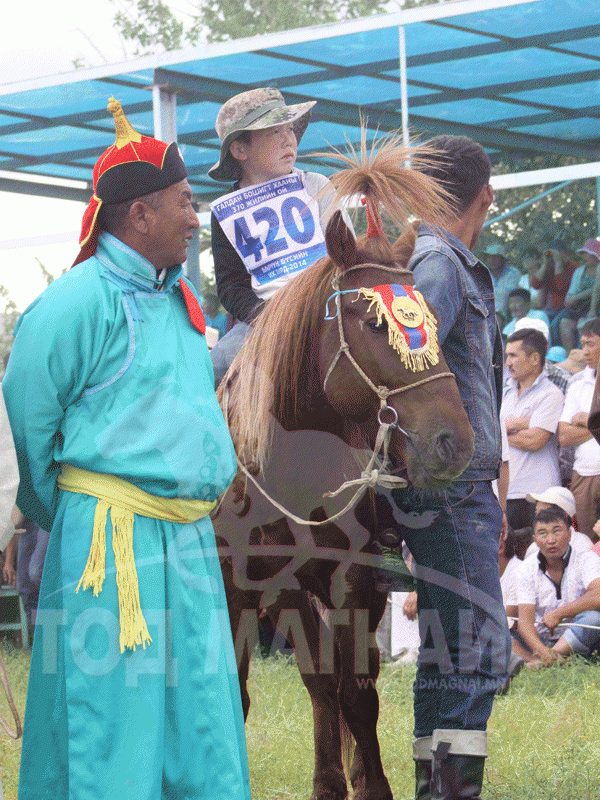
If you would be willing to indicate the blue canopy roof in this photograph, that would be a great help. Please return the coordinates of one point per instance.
(521, 79)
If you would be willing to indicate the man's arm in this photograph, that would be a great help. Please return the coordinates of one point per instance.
(531, 440)
(589, 601)
(530, 635)
(572, 434)
(59, 342)
(436, 277)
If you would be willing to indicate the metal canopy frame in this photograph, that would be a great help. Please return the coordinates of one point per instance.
(520, 76)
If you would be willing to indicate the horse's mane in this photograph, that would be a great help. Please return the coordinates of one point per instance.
(268, 378)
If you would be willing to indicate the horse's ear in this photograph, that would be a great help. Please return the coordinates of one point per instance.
(405, 244)
(341, 244)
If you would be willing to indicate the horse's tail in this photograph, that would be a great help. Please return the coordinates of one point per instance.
(347, 745)
(388, 176)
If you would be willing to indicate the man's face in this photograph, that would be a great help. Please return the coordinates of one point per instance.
(590, 261)
(495, 263)
(518, 307)
(171, 226)
(590, 347)
(552, 538)
(531, 264)
(521, 365)
(270, 154)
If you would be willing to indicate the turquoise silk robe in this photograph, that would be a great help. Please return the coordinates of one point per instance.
(108, 374)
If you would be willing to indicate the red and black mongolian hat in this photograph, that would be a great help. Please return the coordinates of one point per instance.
(132, 167)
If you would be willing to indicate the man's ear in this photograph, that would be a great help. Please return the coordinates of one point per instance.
(138, 216)
(237, 149)
(487, 195)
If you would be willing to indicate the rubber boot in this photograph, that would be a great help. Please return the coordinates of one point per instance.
(422, 758)
(458, 764)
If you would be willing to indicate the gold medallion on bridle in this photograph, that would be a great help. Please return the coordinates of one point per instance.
(408, 312)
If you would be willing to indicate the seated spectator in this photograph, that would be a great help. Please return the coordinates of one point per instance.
(573, 431)
(504, 277)
(554, 278)
(512, 547)
(519, 307)
(578, 302)
(574, 362)
(559, 583)
(531, 409)
(559, 497)
(530, 265)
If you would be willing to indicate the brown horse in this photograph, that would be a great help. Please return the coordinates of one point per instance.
(317, 389)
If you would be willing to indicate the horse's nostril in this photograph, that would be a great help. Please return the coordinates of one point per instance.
(445, 448)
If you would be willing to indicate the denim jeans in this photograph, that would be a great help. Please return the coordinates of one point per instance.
(465, 644)
(583, 640)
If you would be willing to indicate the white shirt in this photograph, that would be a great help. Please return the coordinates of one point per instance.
(9, 476)
(579, 542)
(579, 398)
(509, 581)
(535, 588)
(542, 403)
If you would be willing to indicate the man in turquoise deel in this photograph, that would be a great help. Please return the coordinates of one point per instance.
(123, 451)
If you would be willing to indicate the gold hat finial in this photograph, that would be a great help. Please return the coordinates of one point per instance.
(126, 133)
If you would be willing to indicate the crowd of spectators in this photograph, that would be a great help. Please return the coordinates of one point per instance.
(549, 554)
(553, 284)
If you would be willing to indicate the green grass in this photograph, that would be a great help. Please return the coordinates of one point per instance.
(544, 735)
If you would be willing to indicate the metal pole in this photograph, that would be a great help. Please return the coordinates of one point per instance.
(164, 108)
(526, 203)
(403, 85)
(598, 204)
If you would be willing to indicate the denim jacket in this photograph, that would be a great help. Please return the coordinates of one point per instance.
(460, 290)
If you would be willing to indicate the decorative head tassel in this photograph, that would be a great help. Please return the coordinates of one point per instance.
(374, 226)
(412, 328)
(126, 133)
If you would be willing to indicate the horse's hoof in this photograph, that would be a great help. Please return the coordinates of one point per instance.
(328, 796)
(379, 790)
(324, 793)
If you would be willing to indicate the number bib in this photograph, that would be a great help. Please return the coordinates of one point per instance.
(275, 228)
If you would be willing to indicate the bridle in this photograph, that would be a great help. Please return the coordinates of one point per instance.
(344, 349)
(371, 476)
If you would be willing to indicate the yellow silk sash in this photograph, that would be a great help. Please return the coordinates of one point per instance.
(123, 499)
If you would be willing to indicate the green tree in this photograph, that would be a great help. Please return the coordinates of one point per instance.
(152, 26)
(570, 213)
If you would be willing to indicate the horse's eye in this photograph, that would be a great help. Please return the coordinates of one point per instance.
(377, 327)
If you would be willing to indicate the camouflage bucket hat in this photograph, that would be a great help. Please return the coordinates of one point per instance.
(254, 110)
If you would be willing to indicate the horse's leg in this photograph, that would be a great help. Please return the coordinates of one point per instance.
(243, 618)
(358, 696)
(329, 781)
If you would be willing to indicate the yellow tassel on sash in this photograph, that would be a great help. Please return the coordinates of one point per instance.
(124, 501)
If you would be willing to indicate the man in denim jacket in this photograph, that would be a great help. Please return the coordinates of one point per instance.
(464, 637)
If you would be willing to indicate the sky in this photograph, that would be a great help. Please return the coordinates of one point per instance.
(40, 38)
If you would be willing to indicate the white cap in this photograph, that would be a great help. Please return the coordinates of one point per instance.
(536, 324)
(558, 496)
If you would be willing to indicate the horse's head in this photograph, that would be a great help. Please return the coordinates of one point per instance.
(379, 348)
